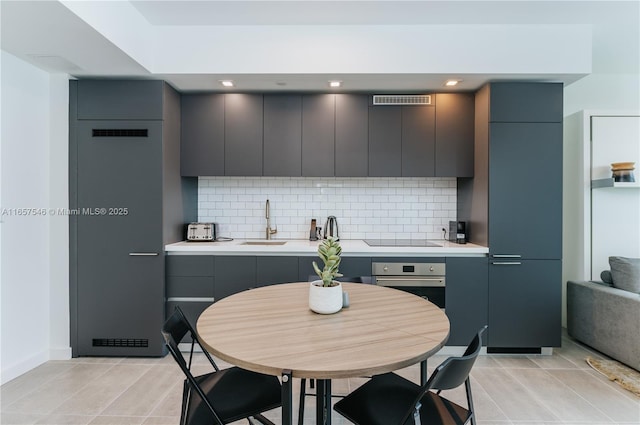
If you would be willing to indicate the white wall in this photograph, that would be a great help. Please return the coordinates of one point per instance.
(600, 92)
(31, 100)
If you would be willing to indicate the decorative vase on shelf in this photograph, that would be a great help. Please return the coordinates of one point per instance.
(325, 294)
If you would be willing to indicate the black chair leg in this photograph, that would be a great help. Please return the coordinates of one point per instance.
(467, 386)
(303, 394)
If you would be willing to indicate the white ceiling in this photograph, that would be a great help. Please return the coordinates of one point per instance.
(300, 45)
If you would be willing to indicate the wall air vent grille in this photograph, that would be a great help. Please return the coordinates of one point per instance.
(120, 342)
(120, 132)
(402, 99)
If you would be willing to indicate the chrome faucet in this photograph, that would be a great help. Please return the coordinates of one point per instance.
(270, 231)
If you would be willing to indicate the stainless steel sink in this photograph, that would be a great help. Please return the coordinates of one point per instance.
(264, 243)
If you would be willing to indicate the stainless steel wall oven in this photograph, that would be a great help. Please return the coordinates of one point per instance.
(427, 280)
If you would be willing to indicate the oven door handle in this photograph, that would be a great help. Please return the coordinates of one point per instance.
(408, 281)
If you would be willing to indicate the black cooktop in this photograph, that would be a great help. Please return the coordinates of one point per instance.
(401, 242)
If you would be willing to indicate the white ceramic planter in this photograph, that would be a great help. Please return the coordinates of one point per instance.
(325, 300)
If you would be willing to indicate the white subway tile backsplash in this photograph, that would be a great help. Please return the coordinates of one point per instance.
(376, 208)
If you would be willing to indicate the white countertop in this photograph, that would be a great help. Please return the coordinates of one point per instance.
(353, 248)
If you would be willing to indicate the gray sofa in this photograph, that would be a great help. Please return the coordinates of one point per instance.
(606, 317)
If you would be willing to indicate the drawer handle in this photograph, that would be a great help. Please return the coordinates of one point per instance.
(506, 256)
(191, 299)
(143, 254)
(506, 263)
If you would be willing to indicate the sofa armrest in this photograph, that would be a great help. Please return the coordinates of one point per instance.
(605, 318)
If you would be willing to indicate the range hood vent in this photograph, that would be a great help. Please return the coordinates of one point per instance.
(402, 99)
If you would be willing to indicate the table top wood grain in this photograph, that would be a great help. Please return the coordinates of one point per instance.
(271, 329)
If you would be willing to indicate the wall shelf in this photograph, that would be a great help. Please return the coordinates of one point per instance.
(609, 183)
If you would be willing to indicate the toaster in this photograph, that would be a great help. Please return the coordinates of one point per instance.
(202, 232)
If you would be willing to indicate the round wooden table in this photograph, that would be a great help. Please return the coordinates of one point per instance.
(271, 330)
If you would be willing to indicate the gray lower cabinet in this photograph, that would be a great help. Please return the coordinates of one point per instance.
(202, 138)
(349, 267)
(190, 284)
(282, 135)
(525, 304)
(352, 135)
(466, 302)
(276, 269)
(234, 273)
(243, 125)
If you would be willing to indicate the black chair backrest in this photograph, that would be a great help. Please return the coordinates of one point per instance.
(455, 370)
(174, 331)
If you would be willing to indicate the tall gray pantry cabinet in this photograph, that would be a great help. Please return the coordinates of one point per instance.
(130, 200)
(518, 171)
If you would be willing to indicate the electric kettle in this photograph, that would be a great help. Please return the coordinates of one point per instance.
(331, 228)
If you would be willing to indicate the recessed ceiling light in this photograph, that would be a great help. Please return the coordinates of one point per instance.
(452, 83)
(227, 83)
(335, 83)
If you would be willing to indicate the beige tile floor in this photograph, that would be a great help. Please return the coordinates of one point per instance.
(508, 390)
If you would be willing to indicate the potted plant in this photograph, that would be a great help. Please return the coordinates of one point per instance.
(325, 294)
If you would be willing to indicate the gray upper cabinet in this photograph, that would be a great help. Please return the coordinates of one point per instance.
(282, 135)
(318, 135)
(351, 135)
(454, 135)
(418, 141)
(385, 141)
(243, 134)
(526, 102)
(202, 144)
(120, 100)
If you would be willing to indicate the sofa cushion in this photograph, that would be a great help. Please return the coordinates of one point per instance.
(606, 277)
(625, 273)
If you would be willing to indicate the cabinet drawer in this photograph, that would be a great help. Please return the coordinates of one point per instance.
(190, 286)
(190, 265)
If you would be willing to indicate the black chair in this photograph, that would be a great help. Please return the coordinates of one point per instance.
(303, 381)
(392, 400)
(222, 396)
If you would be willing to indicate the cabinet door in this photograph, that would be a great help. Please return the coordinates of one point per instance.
(385, 141)
(202, 135)
(525, 189)
(526, 102)
(273, 270)
(466, 299)
(349, 267)
(352, 132)
(120, 295)
(120, 100)
(243, 135)
(282, 135)
(418, 141)
(233, 274)
(525, 303)
(454, 134)
(318, 135)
